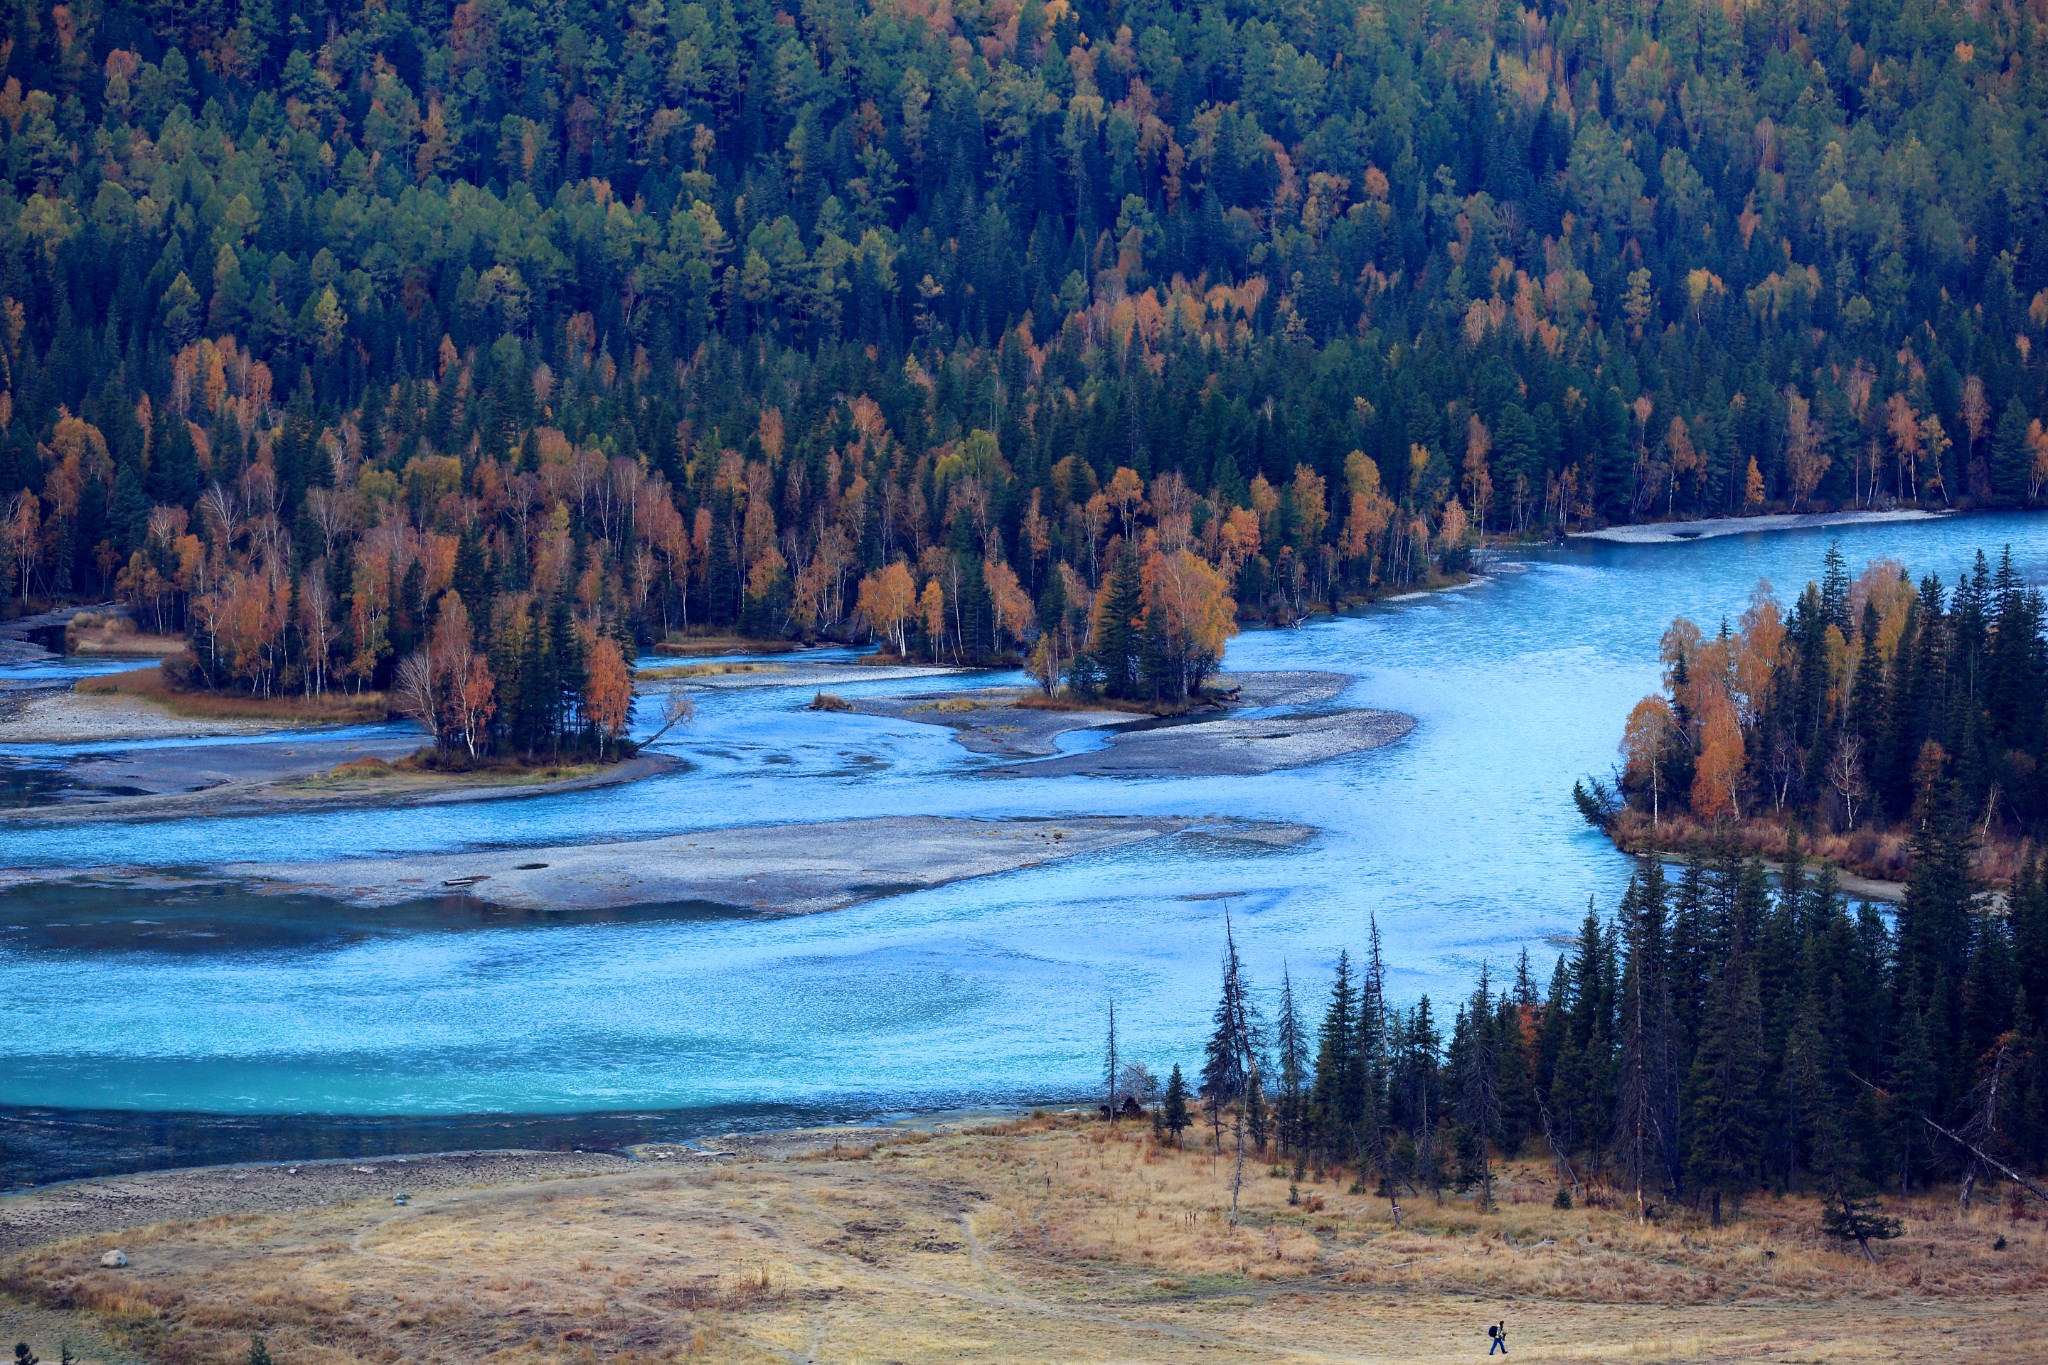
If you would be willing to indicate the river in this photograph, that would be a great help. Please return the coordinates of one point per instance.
(1461, 840)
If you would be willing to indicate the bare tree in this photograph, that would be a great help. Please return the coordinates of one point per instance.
(1109, 1073)
(1845, 775)
(415, 692)
(676, 709)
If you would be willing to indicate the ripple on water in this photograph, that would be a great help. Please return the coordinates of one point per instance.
(1460, 839)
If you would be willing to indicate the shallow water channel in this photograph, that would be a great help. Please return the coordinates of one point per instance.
(1460, 838)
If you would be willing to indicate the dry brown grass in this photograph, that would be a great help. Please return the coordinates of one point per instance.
(951, 706)
(1880, 855)
(116, 637)
(1039, 1240)
(414, 774)
(689, 646)
(1032, 699)
(681, 672)
(149, 684)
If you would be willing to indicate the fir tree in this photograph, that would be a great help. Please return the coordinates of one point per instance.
(1726, 1084)
(1291, 1104)
(1118, 647)
(1173, 1106)
(1337, 1096)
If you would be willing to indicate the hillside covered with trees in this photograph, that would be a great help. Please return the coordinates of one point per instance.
(481, 334)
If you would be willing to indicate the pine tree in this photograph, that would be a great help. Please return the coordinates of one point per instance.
(1478, 1065)
(1646, 1109)
(1118, 647)
(1726, 1085)
(1335, 1100)
(1291, 1106)
(1857, 1220)
(1173, 1107)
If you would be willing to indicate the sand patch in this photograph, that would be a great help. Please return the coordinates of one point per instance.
(784, 869)
(1233, 746)
(75, 718)
(1216, 739)
(1677, 532)
(987, 720)
(293, 774)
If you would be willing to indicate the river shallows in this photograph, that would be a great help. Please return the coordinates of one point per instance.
(1460, 838)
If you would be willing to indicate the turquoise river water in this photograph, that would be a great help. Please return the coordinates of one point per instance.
(1461, 839)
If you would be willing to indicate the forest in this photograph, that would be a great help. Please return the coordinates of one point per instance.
(1726, 1034)
(462, 339)
(1877, 715)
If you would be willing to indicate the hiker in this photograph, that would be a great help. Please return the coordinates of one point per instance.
(1498, 1335)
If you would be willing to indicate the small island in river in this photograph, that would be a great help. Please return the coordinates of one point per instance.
(1255, 723)
(784, 869)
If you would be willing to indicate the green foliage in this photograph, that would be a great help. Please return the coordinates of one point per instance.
(1719, 1037)
(1173, 1112)
(699, 316)
(1851, 1219)
(1597, 802)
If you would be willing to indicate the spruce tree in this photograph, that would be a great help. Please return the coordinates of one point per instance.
(1291, 1105)
(1646, 1100)
(1173, 1106)
(1478, 1066)
(1224, 1059)
(1375, 1027)
(1335, 1101)
(1117, 649)
(1726, 1085)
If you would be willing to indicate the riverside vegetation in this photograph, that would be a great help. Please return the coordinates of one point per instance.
(1887, 725)
(452, 351)
(1716, 1039)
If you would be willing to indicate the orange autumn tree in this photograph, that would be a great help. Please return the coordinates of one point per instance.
(1196, 615)
(1645, 744)
(1717, 774)
(885, 601)
(608, 695)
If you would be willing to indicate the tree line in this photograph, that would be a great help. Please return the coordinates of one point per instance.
(1723, 1033)
(734, 315)
(1875, 703)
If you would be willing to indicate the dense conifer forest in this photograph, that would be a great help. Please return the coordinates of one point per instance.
(481, 334)
(1726, 1033)
(1887, 719)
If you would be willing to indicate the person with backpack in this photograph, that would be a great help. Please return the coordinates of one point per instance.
(1498, 1335)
